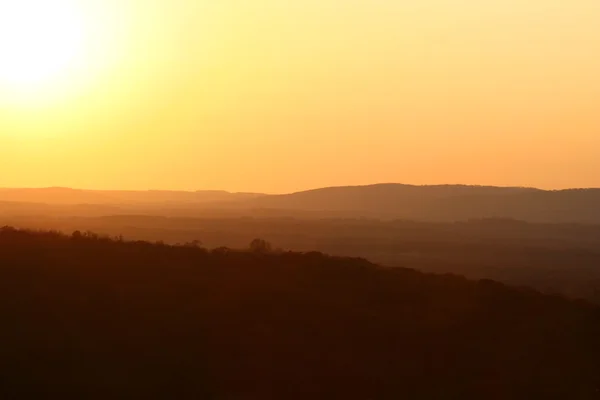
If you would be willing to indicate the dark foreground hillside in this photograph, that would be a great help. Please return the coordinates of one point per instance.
(90, 318)
(552, 258)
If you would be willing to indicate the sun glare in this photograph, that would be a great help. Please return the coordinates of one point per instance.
(41, 41)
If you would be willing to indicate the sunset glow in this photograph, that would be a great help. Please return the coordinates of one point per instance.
(281, 96)
(40, 41)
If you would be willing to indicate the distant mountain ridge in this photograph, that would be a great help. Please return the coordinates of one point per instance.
(382, 201)
(445, 202)
(69, 196)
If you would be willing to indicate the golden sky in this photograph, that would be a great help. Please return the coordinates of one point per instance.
(277, 96)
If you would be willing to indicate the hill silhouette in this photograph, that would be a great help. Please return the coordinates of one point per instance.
(444, 202)
(383, 201)
(68, 196)
(92, 317)
(553, 258)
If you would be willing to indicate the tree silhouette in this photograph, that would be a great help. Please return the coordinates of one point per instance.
(260, 246)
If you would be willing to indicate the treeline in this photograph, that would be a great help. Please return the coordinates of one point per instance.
(553, 258)
(86, 316)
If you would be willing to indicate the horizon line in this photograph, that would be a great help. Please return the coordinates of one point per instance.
(302, 190)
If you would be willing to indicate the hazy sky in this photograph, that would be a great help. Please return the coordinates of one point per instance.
(278, 96)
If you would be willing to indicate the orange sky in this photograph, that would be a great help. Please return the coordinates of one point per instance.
(278, 96)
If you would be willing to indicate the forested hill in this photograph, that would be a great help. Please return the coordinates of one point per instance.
(95, 318)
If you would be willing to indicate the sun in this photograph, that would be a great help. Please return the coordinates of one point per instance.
(41, 42)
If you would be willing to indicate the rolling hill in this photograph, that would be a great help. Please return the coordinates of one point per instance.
(68, 196)
(443, 203)
(383, 201)
(89, 317)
